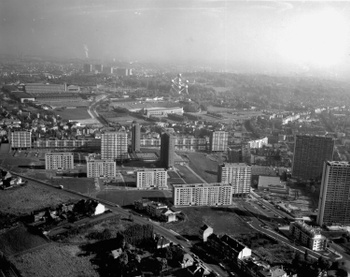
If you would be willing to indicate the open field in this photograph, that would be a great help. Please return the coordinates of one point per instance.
(18, 239)
(127, 197)
(71, 114)
(223, 220)
(31, 197)
(13, 163)
(82, 185)
(55, 260)
(203, 166)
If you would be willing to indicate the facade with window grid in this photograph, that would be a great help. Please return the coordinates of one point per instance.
(307, 235)
(309, 154)
(214, 194)
(114, 146)
(218, 141)
(21, 139)
(334, 200)
(236, 174)
(101, 169)
(151, 178)
(63, 160)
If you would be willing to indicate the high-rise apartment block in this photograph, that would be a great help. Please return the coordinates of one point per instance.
(215, 194)
(167, 150)
(21, 139)
(151, 178)
(334, 200)
(218, 141)
(309, 154)
(59, 160)
(234, 155)
(114, 146)
(238, 175)
(101, 168)
(136, 137)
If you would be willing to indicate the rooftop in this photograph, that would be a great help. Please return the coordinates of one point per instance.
(200, 185)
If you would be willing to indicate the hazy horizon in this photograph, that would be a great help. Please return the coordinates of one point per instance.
(262, 36)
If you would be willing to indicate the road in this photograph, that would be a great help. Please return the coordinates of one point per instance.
(195, 174)
(258, 225)
(92, 110)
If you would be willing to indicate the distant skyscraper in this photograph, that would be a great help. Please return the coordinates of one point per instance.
(87, 68)
(136, 136)
(334, 201)
(167, 150)
(21, 139)
(309, 154)
(107, 70)
(114, 146)
(218, 141)
(98, 68)
(238, 175)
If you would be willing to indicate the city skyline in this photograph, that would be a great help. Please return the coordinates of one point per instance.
(260, 36)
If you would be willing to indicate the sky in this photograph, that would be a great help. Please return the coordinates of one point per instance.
(261, 35)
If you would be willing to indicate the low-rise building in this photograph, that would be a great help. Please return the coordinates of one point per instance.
(309, 236)
(230, 248)
(155, 209)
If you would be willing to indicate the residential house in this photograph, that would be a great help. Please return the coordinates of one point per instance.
(116, 253)
(186, 261)
(206, 231)
(229, 248)
(167, 215)
(162, 242)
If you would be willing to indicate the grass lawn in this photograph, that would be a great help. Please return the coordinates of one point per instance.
(188, 176)
(127, 197)
(31, 197)
(203, 166)
(222, 220)
(79, 113)
(19, 239)
(55, 260)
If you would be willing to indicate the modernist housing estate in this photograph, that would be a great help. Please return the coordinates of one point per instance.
(114, 146)
(309, 154)
(215, 194)
(167, 150)
(151, 178)
(218, 141)
(334, 200)
(59, 160)
(97, 168)
(21, 139)
(307, 235)
(236, 174)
